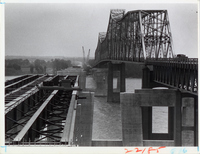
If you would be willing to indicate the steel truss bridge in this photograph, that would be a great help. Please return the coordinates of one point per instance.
(144, 36)
(43, 109)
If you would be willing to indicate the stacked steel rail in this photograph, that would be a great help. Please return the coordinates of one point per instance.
(39, 116)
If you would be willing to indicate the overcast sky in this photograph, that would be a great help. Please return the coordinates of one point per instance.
(53, 29)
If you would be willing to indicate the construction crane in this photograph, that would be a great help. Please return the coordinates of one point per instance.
(88, 56)
(83, 55)
(86, 67)
(85, 60)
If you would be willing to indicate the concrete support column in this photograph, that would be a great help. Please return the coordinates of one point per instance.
(101, 82)
(82, 80)
(196, 131)
(145, 77)
(110, 83)
(147, 122)
(131, 114)
(114, 96)
(178, 120)
(188, 129)
(118, 81)
(122, 78)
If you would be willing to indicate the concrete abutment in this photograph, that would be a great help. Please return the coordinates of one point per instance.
(136, 113)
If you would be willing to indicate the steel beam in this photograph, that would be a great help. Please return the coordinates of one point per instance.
(68, 128)
(12, 104)
(67, 136)
(58, 88)
(33, 119)
(20, 83)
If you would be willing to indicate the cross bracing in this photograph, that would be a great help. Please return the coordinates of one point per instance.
(135, 36)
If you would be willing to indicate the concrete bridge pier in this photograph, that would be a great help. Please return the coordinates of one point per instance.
(113, 95)
(189, 119)
(147, 77)
(100, 76)
(137, 118)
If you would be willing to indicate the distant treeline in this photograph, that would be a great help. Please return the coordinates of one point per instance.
(38, 66)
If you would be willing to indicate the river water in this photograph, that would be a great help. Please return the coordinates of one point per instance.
(107, 123)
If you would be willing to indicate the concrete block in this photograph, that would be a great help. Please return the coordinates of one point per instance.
(156, 97)
(107, 143)
(188, 111)
(187, 138)
(131, 106)
(158, 143)
(101, 83)
(131, 143)
(116, 97)
(131, 120)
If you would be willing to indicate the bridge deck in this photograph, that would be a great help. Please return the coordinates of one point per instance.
(84, 120)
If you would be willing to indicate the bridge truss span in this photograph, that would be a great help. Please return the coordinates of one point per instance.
(135, 36)
(182, 74)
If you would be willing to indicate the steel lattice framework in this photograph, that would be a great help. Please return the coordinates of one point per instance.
(135, 36)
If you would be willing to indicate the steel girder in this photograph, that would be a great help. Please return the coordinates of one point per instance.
(39, 116)
(135, 36)
(180, 74)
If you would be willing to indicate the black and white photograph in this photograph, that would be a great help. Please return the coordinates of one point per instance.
(99, 77)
